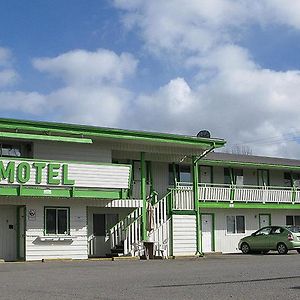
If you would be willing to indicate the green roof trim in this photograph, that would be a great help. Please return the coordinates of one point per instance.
(223, 163)
(93, 131)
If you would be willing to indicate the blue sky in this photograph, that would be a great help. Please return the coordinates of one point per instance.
(231, 67)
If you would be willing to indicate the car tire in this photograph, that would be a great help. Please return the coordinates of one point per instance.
(282, 248)
(298, 250)
(245, 248)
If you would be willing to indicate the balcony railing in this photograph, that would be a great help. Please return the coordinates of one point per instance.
(183, 194)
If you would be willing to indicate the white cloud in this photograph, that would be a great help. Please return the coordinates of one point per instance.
(8, 75)
(81, 67)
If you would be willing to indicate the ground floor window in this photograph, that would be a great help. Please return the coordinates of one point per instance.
(57, 220)
(292, 220)
(235, 224)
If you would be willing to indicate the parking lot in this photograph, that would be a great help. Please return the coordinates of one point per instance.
(215, 277)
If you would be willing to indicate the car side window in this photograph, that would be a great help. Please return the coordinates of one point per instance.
(263, 231)
(277, 230)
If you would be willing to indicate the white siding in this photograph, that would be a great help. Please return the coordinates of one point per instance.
(228, 243)
(71, 151)
(77, 247)
(184, 235)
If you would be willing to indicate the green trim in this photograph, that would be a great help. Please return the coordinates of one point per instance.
(195, 173)
(18, 231)
(183, 212)
(144, 196)
(213, 242)
(44, 137)
(92, 131)
(248, 205)
(19, 190)
(228, 164)
(270, 219)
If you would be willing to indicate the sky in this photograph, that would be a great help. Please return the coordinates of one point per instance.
(180, 66)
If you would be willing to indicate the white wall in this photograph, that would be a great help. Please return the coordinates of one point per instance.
(228, 243)
(71, 151)
(184, 235)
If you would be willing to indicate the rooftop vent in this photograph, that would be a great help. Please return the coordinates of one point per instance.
(203, 134)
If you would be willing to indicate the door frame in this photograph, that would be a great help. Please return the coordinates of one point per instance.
(213, 242)
(266, 214)
(18, 208)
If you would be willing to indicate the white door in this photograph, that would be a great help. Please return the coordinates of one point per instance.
(205, 174)
(100, 240)
(207, 233)
(264, 220)
(21, 231)
(136, 194)
(8, 233)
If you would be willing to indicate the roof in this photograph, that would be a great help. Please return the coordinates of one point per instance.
(84, 131)
(232, 160)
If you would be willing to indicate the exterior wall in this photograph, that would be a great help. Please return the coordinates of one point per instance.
(228, 243)
(69, 151)
(184, 235)
(250, 176)
(76, 246)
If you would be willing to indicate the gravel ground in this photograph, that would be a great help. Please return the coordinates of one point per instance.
(216, 277)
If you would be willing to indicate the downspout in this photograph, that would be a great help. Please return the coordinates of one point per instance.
(195, 161)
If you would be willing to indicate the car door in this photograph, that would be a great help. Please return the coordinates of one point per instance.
(276, 236)
(260, 239)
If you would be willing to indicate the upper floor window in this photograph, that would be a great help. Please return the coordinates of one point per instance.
(291, 179)
(263, 177)
(233, 176)
(15, 150)
(179, 173)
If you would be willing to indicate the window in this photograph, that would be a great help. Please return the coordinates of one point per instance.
(15, 150)
(263, 231)
(182, 173)
(292, 220)
(233, 176)
(57, 220)
(277, 230)
(263, 177)
(287, 176)
(235, 224)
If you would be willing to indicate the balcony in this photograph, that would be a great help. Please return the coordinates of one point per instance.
(220, 193)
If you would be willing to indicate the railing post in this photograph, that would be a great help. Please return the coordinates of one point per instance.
(196, 203)
(232, 191)
(294, 194)
(143, 196)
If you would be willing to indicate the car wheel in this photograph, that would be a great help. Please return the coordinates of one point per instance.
(298, 250)
(245, 248)
(282, 248)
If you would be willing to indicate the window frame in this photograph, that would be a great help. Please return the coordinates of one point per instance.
(57, 208)
(235, 225)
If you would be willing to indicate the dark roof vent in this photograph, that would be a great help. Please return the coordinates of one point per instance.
(203, 134)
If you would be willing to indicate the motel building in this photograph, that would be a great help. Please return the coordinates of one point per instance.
(78, 192)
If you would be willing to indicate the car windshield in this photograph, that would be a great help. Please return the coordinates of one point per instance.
(295, 229)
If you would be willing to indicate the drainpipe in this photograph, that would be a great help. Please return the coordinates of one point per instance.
(195, 161)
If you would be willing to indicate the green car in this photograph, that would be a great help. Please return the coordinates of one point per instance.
(280, 238)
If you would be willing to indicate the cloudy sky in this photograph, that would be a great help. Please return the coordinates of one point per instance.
(179, 66)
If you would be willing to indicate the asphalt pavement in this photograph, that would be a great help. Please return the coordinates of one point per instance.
(269, 276)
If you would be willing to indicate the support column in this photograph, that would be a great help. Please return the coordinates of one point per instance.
(143, 196)
(196, 204)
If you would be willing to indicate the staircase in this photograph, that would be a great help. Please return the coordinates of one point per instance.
(125, 236)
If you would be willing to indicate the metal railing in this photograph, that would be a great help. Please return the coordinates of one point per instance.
(183, 194)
